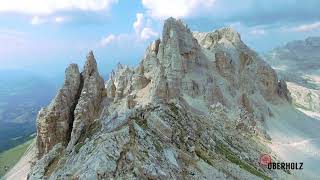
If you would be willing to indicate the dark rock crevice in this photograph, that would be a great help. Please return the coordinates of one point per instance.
(88, 102)
(73, 107)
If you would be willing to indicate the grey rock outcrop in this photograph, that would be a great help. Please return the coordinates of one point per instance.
(88, 105)
(40, 168)
(54, 123)
(139, 82)
(185, 112)
(283, 90)
(72, 110)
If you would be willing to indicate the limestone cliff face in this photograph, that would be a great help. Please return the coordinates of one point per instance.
(88, 105)
(72, 110)
(54, 123)
(193, 101)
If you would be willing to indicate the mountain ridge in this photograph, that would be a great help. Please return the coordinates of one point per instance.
(194, 108)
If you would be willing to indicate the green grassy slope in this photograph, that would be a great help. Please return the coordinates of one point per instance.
(10, 157)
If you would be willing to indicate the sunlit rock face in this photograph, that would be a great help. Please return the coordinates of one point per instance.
(190, 105)
(89, 102)
(73, 109)
(54, 122)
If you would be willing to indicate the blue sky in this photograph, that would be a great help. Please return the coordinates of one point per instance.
(44, 36)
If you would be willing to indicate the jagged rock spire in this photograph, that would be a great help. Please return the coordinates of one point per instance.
(55, 121)
(178, 79)
(176, 33)
(90, 65)
(92, 92)
(73, 109)
(119, 66)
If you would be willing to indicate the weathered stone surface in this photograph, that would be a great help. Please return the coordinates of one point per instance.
(212, 39)
(54, 122)
(139, 82)
(150, 59)
(122, 81)
(268, 81)
(245, 61)
(88, 105)
(192, 99)
(283, 90)
(40, 169)
(160, 89)
(245, 103)
(224, 65)
(162, 129)
(177, 50)
(110, 88)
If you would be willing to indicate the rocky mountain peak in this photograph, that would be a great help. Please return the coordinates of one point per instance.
(190, 95)
(71, 75)
(223, 35)
(76, 103)
(230, 33)
(176, 32)
(54, 122)
(90, 65)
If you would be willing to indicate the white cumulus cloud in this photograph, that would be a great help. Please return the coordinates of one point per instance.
(258, 32)
(307, 27)
(142, 27)
(112, 38)
(143, 31)
(137, 25)
(107, 40)
(176, 8)
(147, 33)
(59, 19)
(36, 20)
(44, 7)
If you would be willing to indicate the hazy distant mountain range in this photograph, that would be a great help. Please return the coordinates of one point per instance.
(298, 62)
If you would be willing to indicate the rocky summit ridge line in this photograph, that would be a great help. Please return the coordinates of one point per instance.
(194, 108)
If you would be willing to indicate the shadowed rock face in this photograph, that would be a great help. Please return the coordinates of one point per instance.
(73, 109)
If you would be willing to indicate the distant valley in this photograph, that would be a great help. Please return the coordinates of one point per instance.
(22, 94)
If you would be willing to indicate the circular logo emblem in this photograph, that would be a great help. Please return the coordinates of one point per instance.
(265, 159)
